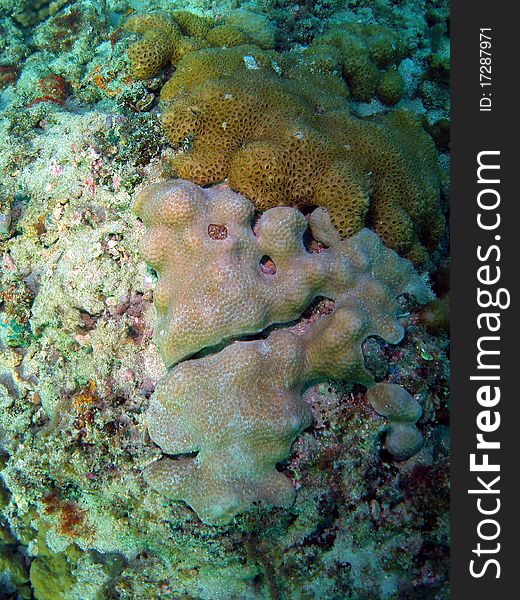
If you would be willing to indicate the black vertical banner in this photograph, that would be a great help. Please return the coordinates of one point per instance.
(485, 227)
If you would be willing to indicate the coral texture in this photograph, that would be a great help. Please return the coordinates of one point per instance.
(241, 409)
(213, 286)
(167, 37)
(390, 87)
(403, 439)
(291, 141)
(78, 366)
(31, 12)
(162, 38)
(361, 53)
(240, 421)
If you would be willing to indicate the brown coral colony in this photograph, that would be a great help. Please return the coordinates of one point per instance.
(279, 128)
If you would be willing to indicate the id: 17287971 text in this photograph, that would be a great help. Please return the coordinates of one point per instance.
(485, 104)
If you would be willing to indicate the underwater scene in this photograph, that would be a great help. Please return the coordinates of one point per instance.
(224, 299)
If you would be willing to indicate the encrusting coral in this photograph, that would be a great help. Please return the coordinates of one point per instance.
(162, 38)
(213, 286)
(167, 37)
(240, 409)
(279, 128)
(390, 87)
(403, 439)
(365, 55)
(283, 141)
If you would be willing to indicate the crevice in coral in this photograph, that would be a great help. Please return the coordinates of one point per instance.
(267, 265)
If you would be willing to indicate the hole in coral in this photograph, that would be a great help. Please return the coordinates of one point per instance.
(256, 217)
(319, 307)
(217, 232)
(267, 265)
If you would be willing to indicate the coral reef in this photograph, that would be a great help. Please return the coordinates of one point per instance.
(213, 288)
(52, 88)
(287, 141)
(31, 12)
(8, 75)
(78, 134)
(14, 575)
